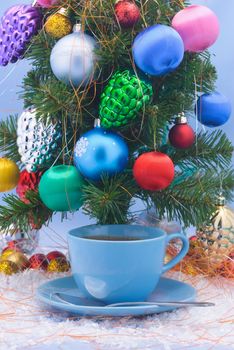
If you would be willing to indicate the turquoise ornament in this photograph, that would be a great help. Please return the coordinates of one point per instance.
(60, 188)
(100, 152)
(158, 50)
(73, 60)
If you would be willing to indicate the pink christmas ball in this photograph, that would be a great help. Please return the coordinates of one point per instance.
(47, 3)
(198, 26)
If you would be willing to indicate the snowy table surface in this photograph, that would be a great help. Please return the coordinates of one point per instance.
(24, 324)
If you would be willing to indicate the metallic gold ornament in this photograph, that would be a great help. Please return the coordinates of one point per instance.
(19, 259)
(58, 265)
(8, 267)
(217, 237)
(7, 253)
(59, 25)
(9, 175)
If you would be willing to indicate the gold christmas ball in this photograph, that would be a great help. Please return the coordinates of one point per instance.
(19, 259)
(9, 175)
(217, 236)
(58, 265)
(8, 267)
(7, 253)
(58, 25)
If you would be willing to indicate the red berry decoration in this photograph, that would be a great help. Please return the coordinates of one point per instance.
(153, 171)
(55, 255)
(38, 261)
(27, 182)
(181, 134)
(127, 13)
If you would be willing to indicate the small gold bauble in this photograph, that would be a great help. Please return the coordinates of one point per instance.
(9, 175)
(58, 265)
(7, 253)
(19, 259)
(58, 25)
(8, 267)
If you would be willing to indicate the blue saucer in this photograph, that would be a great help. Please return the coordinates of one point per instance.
(167, 290)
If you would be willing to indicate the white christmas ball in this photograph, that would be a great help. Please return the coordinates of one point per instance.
(73, 59)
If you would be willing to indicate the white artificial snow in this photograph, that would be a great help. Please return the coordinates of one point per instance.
(26, 325)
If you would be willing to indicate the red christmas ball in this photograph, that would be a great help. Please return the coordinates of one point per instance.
(153, 171)
(38, 261)
(27, 182)
(127, 13)
(181, 136)
(55, 255)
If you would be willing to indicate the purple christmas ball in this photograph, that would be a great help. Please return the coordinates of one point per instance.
(18, 25)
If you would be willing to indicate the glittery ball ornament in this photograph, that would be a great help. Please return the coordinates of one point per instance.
(8, 268)
(123, 98)
(19, 259)
(47, 3)
(58, 265)
(9, 174)
(217, 236)
(73, 59)
(55, 255)
(58, 25)
(38, 142)
(27, 182)
(100, 152)
(18, 25)
(38, 262)
(127, 13)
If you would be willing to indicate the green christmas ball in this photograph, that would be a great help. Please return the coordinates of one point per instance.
(60, 188)
(123, 98)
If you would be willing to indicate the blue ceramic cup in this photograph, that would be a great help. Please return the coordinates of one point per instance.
(120, 263)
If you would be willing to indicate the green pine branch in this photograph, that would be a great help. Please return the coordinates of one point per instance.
(193, 201)
(16, 213)
(210, 151)
(110, 201)
(8, 138)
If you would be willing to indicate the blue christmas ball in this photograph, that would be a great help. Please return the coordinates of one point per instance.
(213, 109)
(158, 50)
(100, 152)
(73, 59)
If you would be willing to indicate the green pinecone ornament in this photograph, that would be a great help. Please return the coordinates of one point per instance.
(123, 98)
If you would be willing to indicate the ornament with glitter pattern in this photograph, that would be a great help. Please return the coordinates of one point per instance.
(8, 268)
(18, 25)
(38, 142)
(58, 25)
(217, 236)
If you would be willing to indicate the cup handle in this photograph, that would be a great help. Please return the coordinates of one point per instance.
(181, 254)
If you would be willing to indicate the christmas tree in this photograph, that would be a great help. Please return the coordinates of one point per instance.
(123, 68)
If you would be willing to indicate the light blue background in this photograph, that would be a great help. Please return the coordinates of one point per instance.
(223, 50)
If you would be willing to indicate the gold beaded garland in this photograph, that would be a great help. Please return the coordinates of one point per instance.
(8, 267)
(58, 25)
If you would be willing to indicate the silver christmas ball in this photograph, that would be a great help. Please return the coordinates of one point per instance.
(38, 142)
(73, 60)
